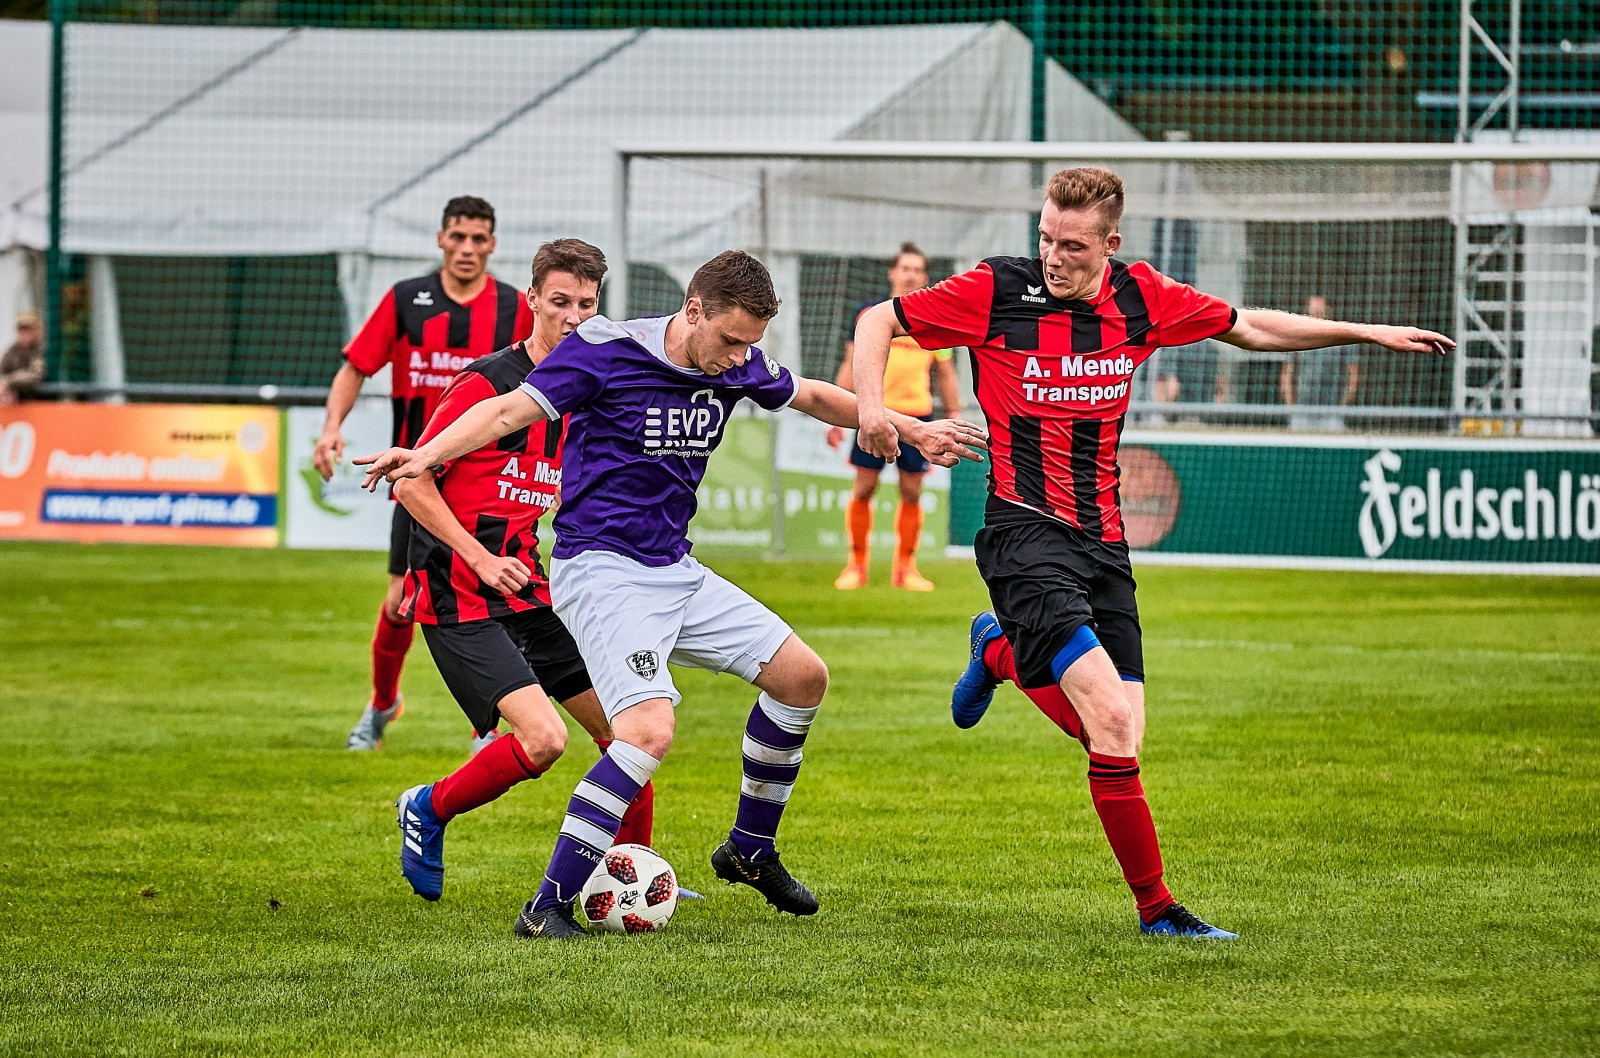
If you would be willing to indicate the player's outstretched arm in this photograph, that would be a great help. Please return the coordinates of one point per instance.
(945, 441)
(484, 422)
(1268, 330)
(421, 497)
(877, 327)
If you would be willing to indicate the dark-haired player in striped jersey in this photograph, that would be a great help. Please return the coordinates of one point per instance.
(426, 329)
(476, 585)
(1055, 340)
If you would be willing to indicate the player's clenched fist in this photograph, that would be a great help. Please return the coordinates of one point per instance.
(947, 442)
(505, 575)
(877, 437)
(391, 465)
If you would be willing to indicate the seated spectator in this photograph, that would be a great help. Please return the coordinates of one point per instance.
(22, 366)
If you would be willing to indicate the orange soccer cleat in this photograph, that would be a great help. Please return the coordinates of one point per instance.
(853, 577)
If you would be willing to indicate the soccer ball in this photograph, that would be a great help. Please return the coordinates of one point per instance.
(633, 890)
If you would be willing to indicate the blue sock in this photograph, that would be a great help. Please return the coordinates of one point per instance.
(773, 741)
(593, 816)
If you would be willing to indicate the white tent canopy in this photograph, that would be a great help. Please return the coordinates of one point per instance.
(233, 141)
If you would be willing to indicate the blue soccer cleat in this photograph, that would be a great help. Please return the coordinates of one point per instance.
(975, 689)
(421, 842)
(1178, 921)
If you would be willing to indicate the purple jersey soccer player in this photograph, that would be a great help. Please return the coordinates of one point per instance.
(647, 401)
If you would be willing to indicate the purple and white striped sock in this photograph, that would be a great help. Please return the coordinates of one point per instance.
(593, 816)
(774, 738)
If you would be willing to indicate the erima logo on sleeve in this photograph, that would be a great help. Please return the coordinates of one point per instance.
(1033, 295)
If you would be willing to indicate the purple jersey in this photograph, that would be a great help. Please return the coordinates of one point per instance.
(639, 432)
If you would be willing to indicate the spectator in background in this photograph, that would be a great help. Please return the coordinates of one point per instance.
(1320, 377)
(22, 366)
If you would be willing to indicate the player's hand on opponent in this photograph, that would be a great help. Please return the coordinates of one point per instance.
(1411, 340)
(947, 442)
(878, 437)
(391, 465)
(505, 575)
(327, 454)
(835, 436)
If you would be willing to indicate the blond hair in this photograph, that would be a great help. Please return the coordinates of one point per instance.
(1088, 187)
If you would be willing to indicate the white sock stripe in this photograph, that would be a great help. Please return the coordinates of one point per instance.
(601, 798)
(790, 718)
(581, 830)
(635, 762)
(776, 792)
(764, 753)
(753, 834)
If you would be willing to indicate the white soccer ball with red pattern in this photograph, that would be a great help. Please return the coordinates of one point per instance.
(633, 890)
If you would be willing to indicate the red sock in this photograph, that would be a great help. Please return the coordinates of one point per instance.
(390, 642)
(491, 772)
(639, 821)
(1125, 815)
(1052, 700)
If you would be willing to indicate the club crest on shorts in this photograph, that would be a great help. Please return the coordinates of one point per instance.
(643, 663)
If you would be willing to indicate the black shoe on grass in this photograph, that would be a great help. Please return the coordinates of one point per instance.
(767, 877)
(555, 922)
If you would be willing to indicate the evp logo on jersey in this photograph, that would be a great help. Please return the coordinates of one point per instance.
(688, 428)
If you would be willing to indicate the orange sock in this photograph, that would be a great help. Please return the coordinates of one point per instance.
(908, 531)
(858, 523)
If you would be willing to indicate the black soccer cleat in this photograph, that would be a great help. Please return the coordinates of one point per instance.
(1179, 921)
(768, 877)
(558, 923)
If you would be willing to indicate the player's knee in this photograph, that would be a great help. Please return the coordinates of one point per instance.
(543, 742)
(809, 683)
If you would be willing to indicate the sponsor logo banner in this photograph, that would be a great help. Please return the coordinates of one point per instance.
(149, 473)
(337, 513)
(1389, 500)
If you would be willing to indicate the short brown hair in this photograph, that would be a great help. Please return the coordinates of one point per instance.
(569, 255)
(734, 279)
(913, 249)
(1088, 187)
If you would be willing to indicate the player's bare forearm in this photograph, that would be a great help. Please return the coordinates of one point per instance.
(945, 442)
(483, 423)
(420, 495)
(875, 329)
(1268, 330)
(342, 394)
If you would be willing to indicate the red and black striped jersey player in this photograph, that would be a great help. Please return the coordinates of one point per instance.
(426, 329)
(477, 587)
(1055, 340)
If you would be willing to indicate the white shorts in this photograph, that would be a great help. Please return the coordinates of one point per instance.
(630, 620)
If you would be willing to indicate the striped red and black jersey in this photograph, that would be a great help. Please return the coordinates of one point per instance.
(497, 493)
(427, 338)
(1052, 376)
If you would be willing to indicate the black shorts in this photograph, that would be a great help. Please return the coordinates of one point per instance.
(400, 527)
(1046, 580)
(483, 661)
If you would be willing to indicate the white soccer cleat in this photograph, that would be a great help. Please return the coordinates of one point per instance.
(481, 742)
(368, 733)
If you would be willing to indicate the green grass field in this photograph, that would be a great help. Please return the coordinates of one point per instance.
(1388, 784)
